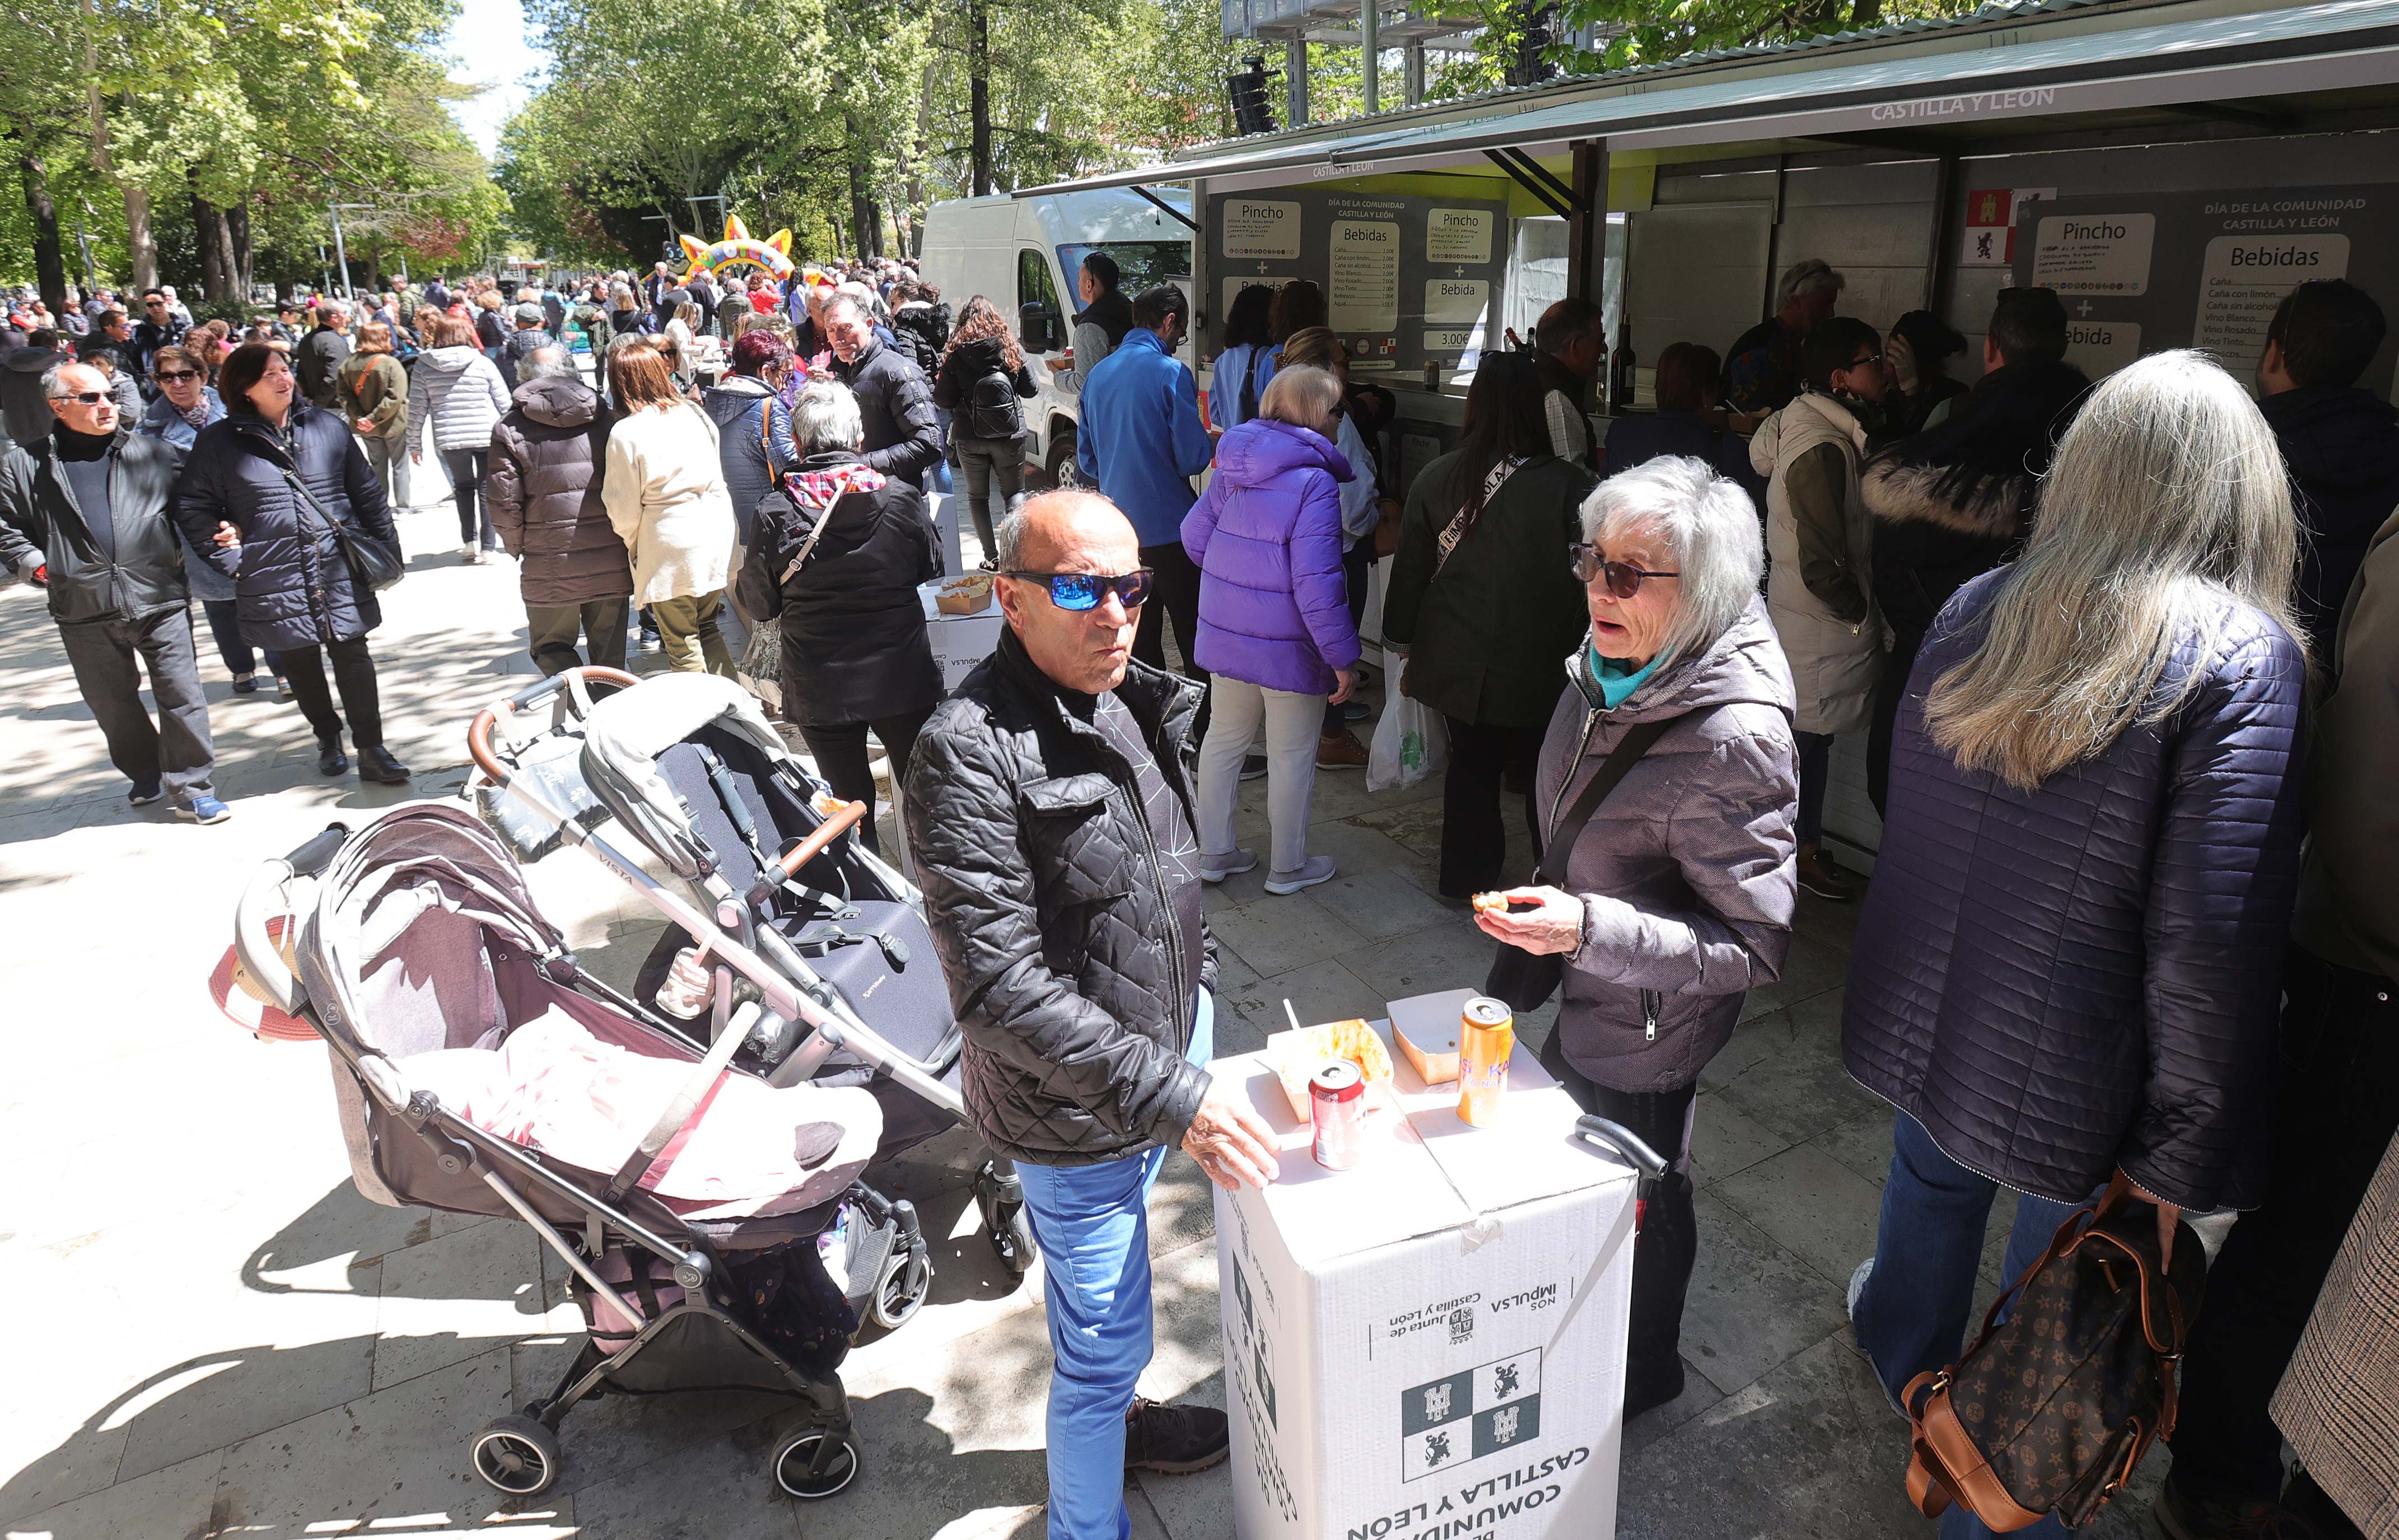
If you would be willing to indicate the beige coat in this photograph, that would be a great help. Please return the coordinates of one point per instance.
(1835, 663)
(2339, 1402)
(666, 498)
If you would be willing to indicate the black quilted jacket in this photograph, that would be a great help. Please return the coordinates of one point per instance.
(1046, 913)
(2087, 975)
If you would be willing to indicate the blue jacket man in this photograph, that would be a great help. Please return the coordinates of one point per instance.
(1141, 441)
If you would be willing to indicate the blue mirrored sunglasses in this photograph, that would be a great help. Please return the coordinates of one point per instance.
(1084, 590)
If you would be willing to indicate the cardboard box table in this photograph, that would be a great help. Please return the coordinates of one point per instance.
(959, 641)
(1430, 1345)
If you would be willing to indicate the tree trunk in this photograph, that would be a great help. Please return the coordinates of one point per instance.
(913, 242)
(205, 222)
(139, 245)
(238, 233)
(977, 92)
(49, 266)
(861, 206)
(1866, 13)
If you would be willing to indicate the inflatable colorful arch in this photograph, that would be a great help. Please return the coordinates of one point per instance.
(738, 248)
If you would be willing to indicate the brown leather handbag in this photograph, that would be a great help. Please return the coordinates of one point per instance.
(2050, 1412)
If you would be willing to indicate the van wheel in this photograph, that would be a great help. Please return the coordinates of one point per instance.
(1061, 469)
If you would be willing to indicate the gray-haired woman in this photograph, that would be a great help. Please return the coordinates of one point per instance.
(1679, 893)
(855, 652)
(2070, 961)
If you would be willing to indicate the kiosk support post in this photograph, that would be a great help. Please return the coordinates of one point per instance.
(1587, 224)
(1370, 49)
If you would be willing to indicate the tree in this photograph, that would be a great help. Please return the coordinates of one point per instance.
(1654, 30)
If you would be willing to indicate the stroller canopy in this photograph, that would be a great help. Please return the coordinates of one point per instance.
(627, 731)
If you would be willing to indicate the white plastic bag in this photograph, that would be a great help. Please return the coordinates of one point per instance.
(1411, 741)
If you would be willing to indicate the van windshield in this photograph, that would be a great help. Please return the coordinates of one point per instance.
(1140, 263)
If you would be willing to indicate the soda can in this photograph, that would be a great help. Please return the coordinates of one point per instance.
(1486, 1037)
(1336, 1099)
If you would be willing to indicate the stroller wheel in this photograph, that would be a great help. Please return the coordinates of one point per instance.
(790, 1463)
(907, 1278)
(1014, 1244)
(517, 1456)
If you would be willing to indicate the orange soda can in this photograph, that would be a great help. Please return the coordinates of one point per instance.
(1486, 1037)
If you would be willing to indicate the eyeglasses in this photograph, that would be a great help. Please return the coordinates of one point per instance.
(171, 375)
(1869, 358)
(1623, 578)
(1085, 590)
(87, 398)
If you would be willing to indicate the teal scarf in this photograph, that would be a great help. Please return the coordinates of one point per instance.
(1616, 679)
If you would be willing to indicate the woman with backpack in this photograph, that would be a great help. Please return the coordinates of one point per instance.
(983, 377)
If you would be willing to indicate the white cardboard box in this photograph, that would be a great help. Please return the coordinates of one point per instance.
(959, 641)
(1430, 1347)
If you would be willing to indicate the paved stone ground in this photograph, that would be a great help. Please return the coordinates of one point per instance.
(212, 1335)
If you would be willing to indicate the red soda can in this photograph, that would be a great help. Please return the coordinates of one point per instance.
(1336, 1097)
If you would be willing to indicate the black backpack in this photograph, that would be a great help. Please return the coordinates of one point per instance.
(992, 411)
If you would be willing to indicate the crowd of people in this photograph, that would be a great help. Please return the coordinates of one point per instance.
(2092, 635)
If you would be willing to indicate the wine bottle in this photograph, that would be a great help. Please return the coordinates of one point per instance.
(1619, 369)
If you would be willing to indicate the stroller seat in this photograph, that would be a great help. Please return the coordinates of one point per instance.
(749, 1150)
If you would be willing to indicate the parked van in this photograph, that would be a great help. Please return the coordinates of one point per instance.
(1023, 255)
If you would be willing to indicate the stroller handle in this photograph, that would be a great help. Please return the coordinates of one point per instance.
(804, 851)
(479, 731)
(263, 898)
(1649, 1163)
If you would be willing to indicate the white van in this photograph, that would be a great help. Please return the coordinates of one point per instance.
(1023, 254)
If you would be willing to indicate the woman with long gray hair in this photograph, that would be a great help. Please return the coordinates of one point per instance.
(2069, 964)
(1677, 888)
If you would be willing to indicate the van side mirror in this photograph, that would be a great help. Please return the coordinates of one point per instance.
(1036, 328)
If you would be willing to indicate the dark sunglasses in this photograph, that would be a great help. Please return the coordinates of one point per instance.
(179, 374)
(88, 397)
(1623, 578)
(1085, 590)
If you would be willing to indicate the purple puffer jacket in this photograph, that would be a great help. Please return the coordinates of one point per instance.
(1274, 610)
(2058, 983)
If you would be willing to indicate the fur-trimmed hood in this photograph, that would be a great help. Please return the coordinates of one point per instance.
(1902, 493)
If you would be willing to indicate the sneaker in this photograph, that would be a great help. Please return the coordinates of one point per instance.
(989, 564)
(2180, 1516)
(1857, 1286)
(1253, 767)
(1356, 710)
(1819, 874)
(1850, 1303)
(204, 810)
(1216, 869)
(282, 687)
(651, 642)
(1176, 1439)
(142, 796)
(245, 685)
(1340, 750)
(1315, 869)
(466, 553)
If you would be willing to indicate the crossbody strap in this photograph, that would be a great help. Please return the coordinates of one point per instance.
(1454, 533)
(1636, 741)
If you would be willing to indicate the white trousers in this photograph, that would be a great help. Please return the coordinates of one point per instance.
(1292, 723)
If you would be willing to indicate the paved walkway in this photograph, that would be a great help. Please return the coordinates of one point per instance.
(214, 1335)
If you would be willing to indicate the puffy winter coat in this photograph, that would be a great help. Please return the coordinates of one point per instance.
(1274, 608)
(1820, 544)
(521, 341)
(41, 521)
(664, 495)
(162, 421)
(954, 386)
(2061, 981)
(1043, 892)
(547, 457)
(753, 436)
(1486, 633)
(924, 330)
(1685, 871)
(316, 361)
(854, 641)
(903, 438)
(460, 392)
(2342, 447)
(289, 579)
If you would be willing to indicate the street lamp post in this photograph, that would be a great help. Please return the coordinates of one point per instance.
(340, 255)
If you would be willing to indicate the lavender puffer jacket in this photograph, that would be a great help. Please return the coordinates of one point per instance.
(1686, 871)
(1274, 609)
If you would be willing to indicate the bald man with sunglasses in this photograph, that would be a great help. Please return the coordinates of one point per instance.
(1050, 816)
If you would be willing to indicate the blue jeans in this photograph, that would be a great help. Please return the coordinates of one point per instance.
(1911, 1317)
(1815, 775)
(1092, 1225)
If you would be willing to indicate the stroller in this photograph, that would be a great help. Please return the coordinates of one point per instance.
(688, 765)
(423, 961)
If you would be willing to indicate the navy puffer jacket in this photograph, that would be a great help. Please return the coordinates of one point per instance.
(2059, 982)
(291, 586)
